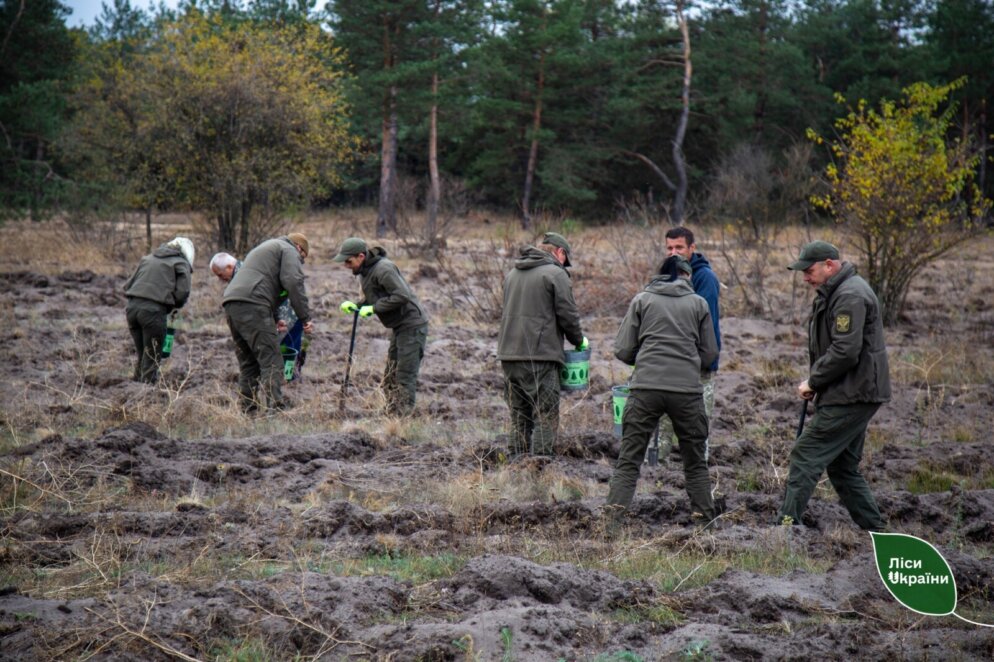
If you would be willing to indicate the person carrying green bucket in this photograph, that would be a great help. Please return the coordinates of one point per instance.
(539, 311)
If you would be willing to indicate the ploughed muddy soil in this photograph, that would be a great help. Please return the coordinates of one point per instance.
(158, 523)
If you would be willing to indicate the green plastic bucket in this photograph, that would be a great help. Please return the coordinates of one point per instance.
(619, 395)
(167, 342)
(289, 361)
(575, 373)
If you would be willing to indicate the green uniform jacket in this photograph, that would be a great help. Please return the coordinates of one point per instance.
(669, 332)
(846, 342)
(388, 293)
(268, 269)
(163, 277)
(539, 310)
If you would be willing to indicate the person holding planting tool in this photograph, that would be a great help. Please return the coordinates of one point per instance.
(388, 295)
(849, 379)
(539, 310)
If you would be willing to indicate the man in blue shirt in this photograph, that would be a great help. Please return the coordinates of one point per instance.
(680, 241)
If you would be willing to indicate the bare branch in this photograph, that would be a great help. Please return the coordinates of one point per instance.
(656, 169)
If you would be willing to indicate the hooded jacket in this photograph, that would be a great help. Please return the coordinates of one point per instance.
(385, 289)
(846, 342)
(539, 310)
(163, 277)
(667, 334)
(268, 269)
(706, 285)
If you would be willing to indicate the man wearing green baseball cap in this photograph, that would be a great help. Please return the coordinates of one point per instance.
(388, 295)
(539, 310)
(848, 381)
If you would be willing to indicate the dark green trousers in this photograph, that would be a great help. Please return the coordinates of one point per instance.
(400, 378)
(832, 441)
(531, 390)
(147, 324)
(258, 350)
(690, 422)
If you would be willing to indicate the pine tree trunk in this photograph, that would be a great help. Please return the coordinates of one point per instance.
(759, 110)
(386, 219)
(435, 187)
(680, 199)
(526, 219)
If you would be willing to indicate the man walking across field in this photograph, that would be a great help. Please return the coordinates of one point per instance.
(848, 380)
(667, 334)
(160, 285)
(251, 301)
(680, 241)
(539, 310)
(387, 294)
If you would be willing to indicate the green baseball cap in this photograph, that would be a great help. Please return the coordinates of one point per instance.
(556, 239)
(816, 251)
(350, 248)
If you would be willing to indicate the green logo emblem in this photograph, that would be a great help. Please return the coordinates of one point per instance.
(916, 574)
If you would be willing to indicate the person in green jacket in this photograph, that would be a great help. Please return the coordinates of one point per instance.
(539, 310)
(251, 301)
(849, 379)
(159, 286)
(668, 335)
(387, 294)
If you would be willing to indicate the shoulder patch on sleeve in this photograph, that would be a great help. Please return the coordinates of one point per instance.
(843, 323)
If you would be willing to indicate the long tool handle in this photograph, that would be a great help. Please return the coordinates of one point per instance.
(348, 363)
(653, 455)
(800, 422)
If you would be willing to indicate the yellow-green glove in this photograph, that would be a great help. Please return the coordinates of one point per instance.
(349, 307)
(584, 345)
(366, 311)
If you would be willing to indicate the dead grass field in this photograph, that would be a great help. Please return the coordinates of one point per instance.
(159, 523)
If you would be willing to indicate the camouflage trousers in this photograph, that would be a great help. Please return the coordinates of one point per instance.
(531, 390)
(667, 437)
